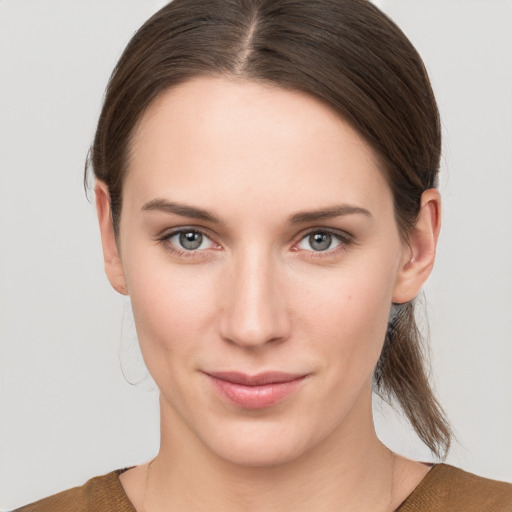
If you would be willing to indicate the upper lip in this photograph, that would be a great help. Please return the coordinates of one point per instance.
(259, 379)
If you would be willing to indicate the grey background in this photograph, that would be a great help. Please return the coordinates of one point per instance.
(66, 413)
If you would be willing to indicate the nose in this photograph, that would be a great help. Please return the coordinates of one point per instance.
(253, 311)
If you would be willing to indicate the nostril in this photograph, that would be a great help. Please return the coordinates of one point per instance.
(248, 326)
(256, 337)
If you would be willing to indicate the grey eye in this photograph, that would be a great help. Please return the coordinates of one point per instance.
(190, 240)
(320, 241)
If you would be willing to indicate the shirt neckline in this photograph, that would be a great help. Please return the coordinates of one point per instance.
(403, 507)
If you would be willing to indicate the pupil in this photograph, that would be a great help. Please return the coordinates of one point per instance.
(191, 240)
(320, 241)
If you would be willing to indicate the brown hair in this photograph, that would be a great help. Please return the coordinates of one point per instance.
(347, 54)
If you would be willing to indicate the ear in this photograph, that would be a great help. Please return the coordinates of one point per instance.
(111, 255)
(419, 256)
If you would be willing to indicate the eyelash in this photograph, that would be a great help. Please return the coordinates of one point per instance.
(344, 239)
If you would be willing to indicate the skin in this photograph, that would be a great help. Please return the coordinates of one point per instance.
(258, 296)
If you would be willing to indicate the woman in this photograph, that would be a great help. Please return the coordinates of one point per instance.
(265, 187)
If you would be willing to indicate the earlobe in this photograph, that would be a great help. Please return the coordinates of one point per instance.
(419, 256)
(111, 257)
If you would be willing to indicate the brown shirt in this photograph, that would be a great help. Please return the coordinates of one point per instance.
(444, 488)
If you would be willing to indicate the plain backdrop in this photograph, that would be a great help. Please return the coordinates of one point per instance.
(66, 411)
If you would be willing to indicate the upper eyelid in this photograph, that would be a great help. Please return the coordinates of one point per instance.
(168, 233)
(344, 235)
(339, 232)
(165, 236)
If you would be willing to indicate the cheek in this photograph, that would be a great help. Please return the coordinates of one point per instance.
(347, 312)
(174, 308)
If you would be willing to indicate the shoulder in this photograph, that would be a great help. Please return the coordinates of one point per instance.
(98, 494)
(449, 488)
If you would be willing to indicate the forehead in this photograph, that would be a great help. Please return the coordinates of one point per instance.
(211, 136)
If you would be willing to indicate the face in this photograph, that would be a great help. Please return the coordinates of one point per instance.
(259, 247)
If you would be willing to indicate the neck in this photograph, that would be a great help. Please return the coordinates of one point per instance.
(350, 470)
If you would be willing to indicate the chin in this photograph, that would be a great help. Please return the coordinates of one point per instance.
(259, 445)
(258, 456)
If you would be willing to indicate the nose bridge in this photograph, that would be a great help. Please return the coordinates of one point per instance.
(254, 309)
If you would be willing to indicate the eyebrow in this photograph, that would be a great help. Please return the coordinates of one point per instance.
(328, 213)
(184, 210)
(193, 212)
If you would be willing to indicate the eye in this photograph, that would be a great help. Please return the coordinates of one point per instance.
(188, 240)
(321, 241)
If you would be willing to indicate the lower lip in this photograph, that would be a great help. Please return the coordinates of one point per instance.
(255, 397)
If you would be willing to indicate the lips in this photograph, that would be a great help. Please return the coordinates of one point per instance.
(255, 391)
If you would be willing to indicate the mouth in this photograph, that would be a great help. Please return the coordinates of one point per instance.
(255, 391)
